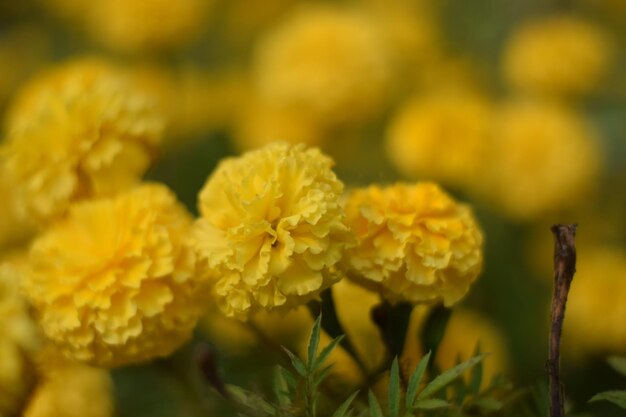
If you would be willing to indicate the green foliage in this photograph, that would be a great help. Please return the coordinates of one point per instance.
(616, 397)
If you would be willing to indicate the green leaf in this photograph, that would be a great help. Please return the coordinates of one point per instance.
(327, 351)
(448, 376)
(314, 341)
(281, 387)
(298, 365)
(488, 404)
(375, 410)
(416, 379)
(618, 363)
(476, 376)
(343, 408)
(250, 400)
(394, 389)
(321, 375)
(431, 404)
(616, 397)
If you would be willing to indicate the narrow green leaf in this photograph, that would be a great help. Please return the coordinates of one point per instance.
(616, 397)
(281, 388)
(488, 404)
(298, 365)
(416, 379)
(251, 400)
(448, 376)
(394, 389)
(343, 408)
(327, 351)
(375, 410)
(321, 375)
(314, 341)
(476, 376)
(618, 363)
(431, 404)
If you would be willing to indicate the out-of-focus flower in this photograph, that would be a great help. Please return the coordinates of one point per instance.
(23, 49)
(261, 123)
(354, 304)
(18, 343)
(414, 243)
(466, 331)
(444, 137)
(138, 25)
(558, 55)
(77, 132)
(115, 283)
(327, 61)
(545, 158)
(14, 230)
(69, 389)
(271, 227)
(595, 306)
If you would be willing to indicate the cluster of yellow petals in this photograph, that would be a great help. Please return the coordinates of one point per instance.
(77, 132)
(69, 389)
(414, 243)
(18, 342)
(545, 158)
(115, 282)
(442, 137)
(271, 226)
(326, 61)
(557, 55)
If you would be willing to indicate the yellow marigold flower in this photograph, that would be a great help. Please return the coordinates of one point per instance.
(163, 24)
(261, 123)
(18, 343)
(327, 61)
(557, 55)
(545, 158)
(443, 137)
(77, 132)
(69, 389)
(595, 306)
(271, 227)
(114, 283)
(414, 243)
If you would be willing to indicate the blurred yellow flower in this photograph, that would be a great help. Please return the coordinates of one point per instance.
(68, 389)
(261, 123)
(595, 306)
(271, 225)
(560, 55)
(415, 243)
(114, 283)
(443, 137)
(77, 132)
(18, 343)
(326, 61)
(545, 158)
(466, 331)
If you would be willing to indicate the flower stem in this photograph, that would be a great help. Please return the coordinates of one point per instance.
(564, 269)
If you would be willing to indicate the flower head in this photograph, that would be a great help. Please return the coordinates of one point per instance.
(114, 283)
(414, 243)
(78, 132)
(531, 171)
(441, 137)
(69, 389)
(326, 61)
(271, 227)
(18, 342)
(557, 55)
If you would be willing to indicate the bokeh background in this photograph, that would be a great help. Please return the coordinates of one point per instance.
(517, 107)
